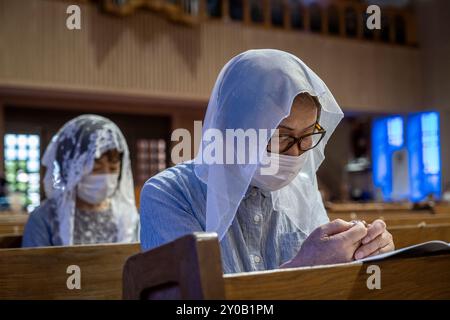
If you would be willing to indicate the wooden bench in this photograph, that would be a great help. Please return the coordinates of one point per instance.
(399, 219)
(374, 207)
(384, 208)
(12, 223)
(175, 270)
(190, 268)
(10, 241)
(41, 273)
(405, 236)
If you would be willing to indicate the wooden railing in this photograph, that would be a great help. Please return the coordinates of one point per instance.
(343, 18)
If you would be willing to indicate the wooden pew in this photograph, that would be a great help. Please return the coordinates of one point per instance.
(375, 207)
(169, 272)
(442, 208)
(12, 223)
(10, 241)
(395, 219)
(41, 273)
(409, 235)
(190, 268)
(408, 278)
(384, 208)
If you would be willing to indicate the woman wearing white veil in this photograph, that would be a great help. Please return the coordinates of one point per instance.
(89, 188)
(264, 221)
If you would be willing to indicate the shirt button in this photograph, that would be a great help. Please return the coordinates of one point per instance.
(256, 259)
(257, 218)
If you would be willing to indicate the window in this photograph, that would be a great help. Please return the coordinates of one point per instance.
(297, 16)
(236, 12)
(400, 30)
(277, 13)
(316, 18)
(367, 33)
(256, 11)
(333, 20)
(22, 153)
(430, 143)
(151, 158)
(351, 22)
(395, 131)
(214, 8)
(385, 29)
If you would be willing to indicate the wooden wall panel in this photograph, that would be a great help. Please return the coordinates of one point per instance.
(144, 54)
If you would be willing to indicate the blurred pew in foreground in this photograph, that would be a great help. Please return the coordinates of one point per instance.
(10, 241)
(190, 268)
(41, 273)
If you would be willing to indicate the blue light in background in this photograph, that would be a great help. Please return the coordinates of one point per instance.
(395, 131)
(421, 138)
(424, 151)
(387, 137)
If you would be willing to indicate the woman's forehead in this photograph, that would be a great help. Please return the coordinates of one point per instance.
(110, 155)
(303, 114)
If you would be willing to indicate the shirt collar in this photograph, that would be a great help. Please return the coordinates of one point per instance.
(253, 191)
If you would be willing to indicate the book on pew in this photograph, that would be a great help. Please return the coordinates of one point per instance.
(412, 251)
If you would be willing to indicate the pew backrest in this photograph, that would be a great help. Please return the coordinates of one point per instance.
(397, 219)
(403, 278)
(189, 272)
(10, 241)
(187, 268)
(12, 223)
(43, 273)
(405, 236)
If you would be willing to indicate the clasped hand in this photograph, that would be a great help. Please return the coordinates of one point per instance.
(340, 241)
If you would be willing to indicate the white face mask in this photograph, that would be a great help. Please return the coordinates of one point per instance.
(95, 188)
(288, 169)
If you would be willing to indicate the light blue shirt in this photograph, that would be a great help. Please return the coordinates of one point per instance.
(173, 204)
(42, 226)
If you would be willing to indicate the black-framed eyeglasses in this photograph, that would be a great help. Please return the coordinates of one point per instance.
(305, 142)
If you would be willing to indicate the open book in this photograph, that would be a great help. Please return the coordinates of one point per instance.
(415, 250)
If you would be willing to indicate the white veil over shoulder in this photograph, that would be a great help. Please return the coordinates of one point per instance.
(71, 155)
(255, 90)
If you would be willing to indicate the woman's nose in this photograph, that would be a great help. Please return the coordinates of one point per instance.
(295, 151)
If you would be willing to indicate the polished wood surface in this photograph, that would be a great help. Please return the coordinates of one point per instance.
(10, 241)
(395, 219)
(12, 223)
(187, 268)
(41, 273)
(407, 278)
(150, 276)
(405, 236)
(350, 207)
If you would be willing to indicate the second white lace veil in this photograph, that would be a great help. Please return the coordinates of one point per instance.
(71, 155)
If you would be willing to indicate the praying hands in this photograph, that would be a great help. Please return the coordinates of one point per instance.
(340, 241)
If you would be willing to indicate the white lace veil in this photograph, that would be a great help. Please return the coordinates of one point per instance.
(256, 90)
(71, 155)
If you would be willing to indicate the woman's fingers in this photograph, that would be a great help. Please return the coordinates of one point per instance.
(377, 245)
(375, 229)
(354, 235)
(335, 227)
(389, 247)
